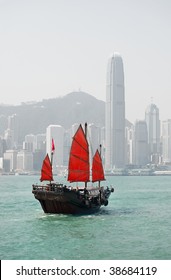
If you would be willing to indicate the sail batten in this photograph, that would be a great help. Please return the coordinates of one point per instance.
(79, 168)
(46, 171)
(97, 168)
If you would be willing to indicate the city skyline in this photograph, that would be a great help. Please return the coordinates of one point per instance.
(138, 156)
(50, 48)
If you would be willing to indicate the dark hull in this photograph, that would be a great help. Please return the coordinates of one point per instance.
(65, 201)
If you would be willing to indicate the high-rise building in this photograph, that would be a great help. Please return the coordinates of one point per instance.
(24, 161)
(129, 132)
(30, 143)
(94, 135)
(41, 142)
(115, 114)
(13, 130)
(153, 128)
(57, 133)
(166, 141)
(11, 156)
(94, 140)
(140, 150)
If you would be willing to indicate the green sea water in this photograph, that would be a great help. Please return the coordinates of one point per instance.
(135, 225)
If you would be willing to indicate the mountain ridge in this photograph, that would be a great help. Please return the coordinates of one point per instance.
(35, 117)
(74, 107)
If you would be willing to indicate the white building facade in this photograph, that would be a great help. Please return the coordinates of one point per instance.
(140, 144)
(153, 128)
(24, 161)
(57, 133)
(115, 114)
(166, 141)
(11, 156)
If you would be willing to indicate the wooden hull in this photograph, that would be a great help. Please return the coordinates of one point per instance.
(65, 201)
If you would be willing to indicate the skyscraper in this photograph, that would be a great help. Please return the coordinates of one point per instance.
(153, 128)
(57, 133)
(11, 134)
(115, 114)
(166, 141)
(140, 143)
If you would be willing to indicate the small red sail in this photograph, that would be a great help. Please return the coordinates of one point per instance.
(53, 146)
(97, 168)
(46, 172)
(79, 168)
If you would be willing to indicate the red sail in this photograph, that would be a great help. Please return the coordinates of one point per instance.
(97, 168)
(79, 168)
(46, 172)
(53, 146)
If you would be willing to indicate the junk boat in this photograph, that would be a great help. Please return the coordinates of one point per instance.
(59, 198)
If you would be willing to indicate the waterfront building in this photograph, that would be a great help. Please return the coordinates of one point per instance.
(102, 142)
(38, 157)
(30, 143)
(8, 138)
(3, 124)
(57, 133)
(129, 131)
(94, 135)
(140, 143)
(115, 114)
(153, 129)
(13, 130)
(41, 142)
(24, 161)
(10, 156)
(2, 146)
(94, 139)
(67, 147)
(166, 141)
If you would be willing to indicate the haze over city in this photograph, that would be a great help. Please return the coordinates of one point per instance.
(51, 48)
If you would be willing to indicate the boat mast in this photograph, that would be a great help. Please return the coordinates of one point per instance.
(100, 156)
(86, 139)
(52, 151)
(51, 162)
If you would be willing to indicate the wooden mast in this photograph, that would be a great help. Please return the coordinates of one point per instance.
(100, 156)
(52, 151)
(86, 139)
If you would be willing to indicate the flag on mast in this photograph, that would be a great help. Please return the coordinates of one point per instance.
(53, 146)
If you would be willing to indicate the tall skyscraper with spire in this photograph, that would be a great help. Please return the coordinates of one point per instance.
(115, 114)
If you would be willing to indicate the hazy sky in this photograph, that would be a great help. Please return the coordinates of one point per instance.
(49, 48)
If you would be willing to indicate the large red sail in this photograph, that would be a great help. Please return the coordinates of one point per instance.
(97, 168)
(46, 172)
(79, 168)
